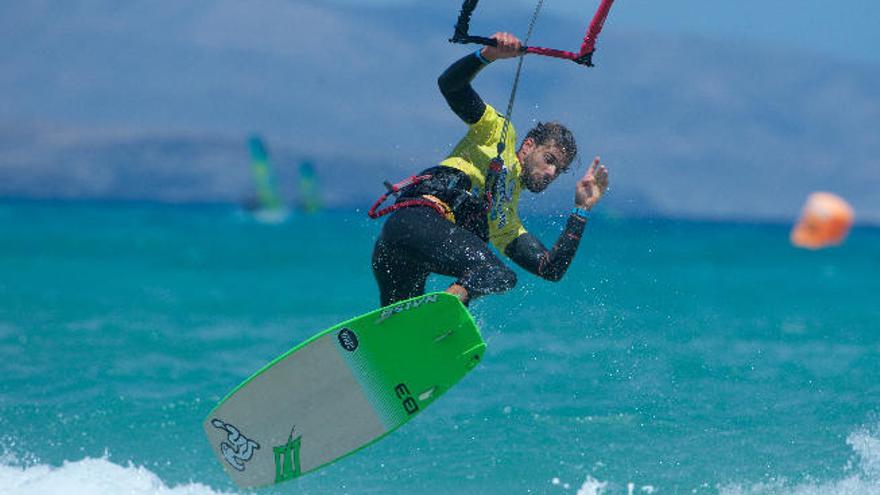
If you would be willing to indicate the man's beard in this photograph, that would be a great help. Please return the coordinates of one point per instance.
(533, 185)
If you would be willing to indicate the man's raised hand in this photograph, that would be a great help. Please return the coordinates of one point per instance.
(592, 186)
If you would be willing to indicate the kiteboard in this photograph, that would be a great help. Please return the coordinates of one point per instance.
(343, 389)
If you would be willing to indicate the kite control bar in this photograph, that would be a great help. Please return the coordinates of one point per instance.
(583, 57)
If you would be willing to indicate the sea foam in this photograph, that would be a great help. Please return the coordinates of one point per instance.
(861, 476)
(90, 477)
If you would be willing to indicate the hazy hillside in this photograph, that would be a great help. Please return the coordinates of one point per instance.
(154, 101)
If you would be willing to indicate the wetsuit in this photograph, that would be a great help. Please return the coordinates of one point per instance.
(417, 241)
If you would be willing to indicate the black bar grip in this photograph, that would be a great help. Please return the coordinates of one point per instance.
(479, 40)
(482, 40)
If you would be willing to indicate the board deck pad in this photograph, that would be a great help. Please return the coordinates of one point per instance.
(343, 389)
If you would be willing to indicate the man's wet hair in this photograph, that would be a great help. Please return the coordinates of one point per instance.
(545, 132)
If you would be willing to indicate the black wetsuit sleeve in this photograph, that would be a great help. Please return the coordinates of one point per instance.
(528, 252)
(455, 85)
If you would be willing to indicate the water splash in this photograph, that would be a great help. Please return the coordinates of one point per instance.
(592, 486)
(861, 474)
(90, 477)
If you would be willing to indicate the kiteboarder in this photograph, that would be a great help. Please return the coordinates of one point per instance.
(443, 218)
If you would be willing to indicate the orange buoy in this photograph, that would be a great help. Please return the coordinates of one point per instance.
(825, 221)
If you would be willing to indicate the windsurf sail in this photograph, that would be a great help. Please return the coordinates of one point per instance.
(269, 205)
(268, 197)
(309, 198)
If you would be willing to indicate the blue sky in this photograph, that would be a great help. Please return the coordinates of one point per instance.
(846, 30)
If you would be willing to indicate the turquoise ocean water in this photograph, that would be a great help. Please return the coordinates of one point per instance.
(674, 358)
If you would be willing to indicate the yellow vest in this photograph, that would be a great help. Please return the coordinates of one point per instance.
(472, 156)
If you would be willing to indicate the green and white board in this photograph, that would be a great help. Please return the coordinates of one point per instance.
(343, 389)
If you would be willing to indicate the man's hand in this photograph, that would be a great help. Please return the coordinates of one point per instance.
(508, 47)
(589, 190)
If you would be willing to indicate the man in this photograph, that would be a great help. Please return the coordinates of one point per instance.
(446, 219)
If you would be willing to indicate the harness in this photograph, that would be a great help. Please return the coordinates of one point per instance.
(428, 200)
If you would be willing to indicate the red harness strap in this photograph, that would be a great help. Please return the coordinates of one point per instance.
(393, 189)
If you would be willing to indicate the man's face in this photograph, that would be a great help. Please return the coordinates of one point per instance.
(541, 164)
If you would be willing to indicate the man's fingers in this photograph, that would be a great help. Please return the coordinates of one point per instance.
(591, 170)
(595, 181)
(591, 187)
(507, 43)
(602, 177)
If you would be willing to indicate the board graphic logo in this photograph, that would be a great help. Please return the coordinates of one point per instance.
(409, 404)
(237, 449)
(400, 308)
(347, 339)
(287, 458)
